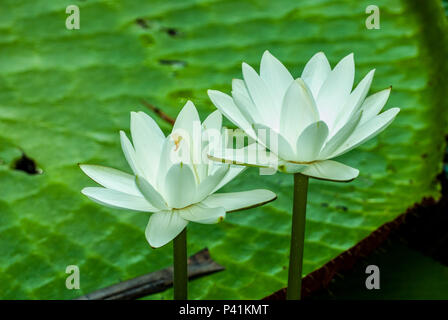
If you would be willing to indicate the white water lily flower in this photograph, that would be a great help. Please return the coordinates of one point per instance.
(169, 178)
(303, 122)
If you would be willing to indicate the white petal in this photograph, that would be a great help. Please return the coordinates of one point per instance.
(151, 194)
(129, 153)
(172, 153)
(335, 90)
(298, 110)
(238, 86)
(231, 174)
(148, 140)
(310, 141)
(275, 75)
(152, 125)
(188, 126)
(235, 201)
(374, 104)
(116, 199)
(211, 138)
(165, 162)
(180, 186)
(354, 102)
(213, 121)
(274, 141)
(331, 170)
(203, 214)
(368, 130)
(316, 72)
(186, 117)
(340, 137)
(206, 187)
(111, 178)
(291, 167)
(244, 102)
(261, 95)
(225, 104)
(163, 227)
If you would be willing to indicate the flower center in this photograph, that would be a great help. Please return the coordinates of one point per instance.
(176, 138)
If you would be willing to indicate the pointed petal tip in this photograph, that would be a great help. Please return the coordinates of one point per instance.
(266, 53)
(388, 90)
(271, 195)
(189, 104)
(396, 110)
(319, 54)
(162, 229)
(214, 94)
(238, 201)
(350, 57)
(245, 67)
(144, 114)
(233, 81)
(83, 167)
(154, 245)
(87, 191)
(218, 114)
(355, 175)
(330, 170)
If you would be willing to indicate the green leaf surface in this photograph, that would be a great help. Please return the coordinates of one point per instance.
(64, 94)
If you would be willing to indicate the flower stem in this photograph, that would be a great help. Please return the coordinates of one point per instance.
(180, 271)
(297, 237)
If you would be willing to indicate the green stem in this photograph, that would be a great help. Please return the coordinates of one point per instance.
(180, 276)
(297, 237)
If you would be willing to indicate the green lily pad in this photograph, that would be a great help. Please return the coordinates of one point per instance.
(64, 94)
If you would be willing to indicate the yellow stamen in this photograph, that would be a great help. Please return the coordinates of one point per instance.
(176, 138)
